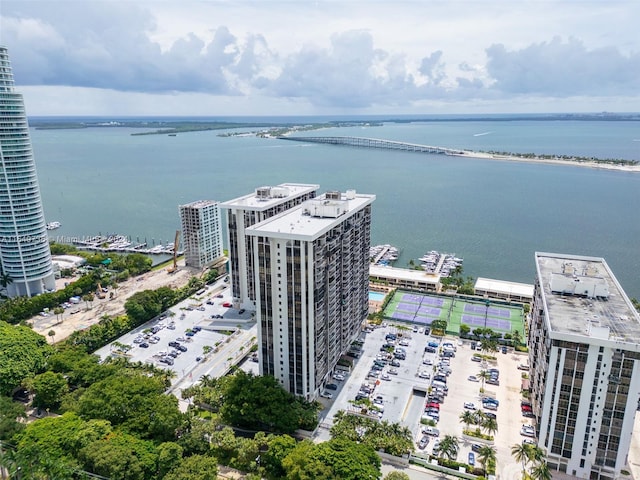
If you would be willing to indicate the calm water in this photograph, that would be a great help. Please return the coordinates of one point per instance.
(493, 214)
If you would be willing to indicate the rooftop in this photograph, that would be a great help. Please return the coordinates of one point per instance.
(264, 198)
(200, 204)
(583, 297)
(503, 286)
(314, 217)
(406, 274)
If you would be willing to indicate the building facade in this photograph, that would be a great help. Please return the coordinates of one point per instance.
(312, 287)
(244, 212)
(584, 362)
(25, 257)
(201, 233)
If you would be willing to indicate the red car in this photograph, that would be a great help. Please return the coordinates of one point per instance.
(226, 304)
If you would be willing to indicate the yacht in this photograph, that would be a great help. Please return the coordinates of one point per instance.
(53, 225)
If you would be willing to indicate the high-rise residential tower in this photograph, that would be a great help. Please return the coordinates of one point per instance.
(584, 366)
(242, 213)
(25, 257)
(311, 274)
(201, 233)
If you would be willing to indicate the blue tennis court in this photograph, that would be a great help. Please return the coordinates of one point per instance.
(409, 297)
(493, 311)
(488, 321)
(407, 317)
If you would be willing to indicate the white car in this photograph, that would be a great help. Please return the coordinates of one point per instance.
(528, 431)
(404, 343)
(425, 374)
(469, 406)
(338, 376)
(326, 394)
(385, 376)
(472, 378)
(427, 361)
(393, 371)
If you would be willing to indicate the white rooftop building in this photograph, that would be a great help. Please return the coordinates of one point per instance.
(311, 273)
(584, 359)
(246, 211)
(201, 233)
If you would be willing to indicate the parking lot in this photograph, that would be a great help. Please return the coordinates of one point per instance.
(403, 395)
(199, 329)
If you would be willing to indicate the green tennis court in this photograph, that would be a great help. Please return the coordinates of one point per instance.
(422, 309)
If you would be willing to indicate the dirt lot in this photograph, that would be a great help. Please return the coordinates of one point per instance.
(100, 307)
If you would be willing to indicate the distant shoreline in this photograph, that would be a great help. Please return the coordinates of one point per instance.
(274, 129)
(630, 166)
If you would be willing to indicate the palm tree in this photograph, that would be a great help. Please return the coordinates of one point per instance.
(467, 418)
(5, 281)
(516, 337)
(449, 447)
(520, 452)
(490, 425)
(58, 311)
(487, 454)
(535, 454)
(484, 375)
(541, 471)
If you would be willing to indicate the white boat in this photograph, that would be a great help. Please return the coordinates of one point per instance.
(53, 225)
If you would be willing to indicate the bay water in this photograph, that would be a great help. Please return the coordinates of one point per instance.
(494, 214)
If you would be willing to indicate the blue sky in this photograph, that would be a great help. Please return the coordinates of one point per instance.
(268, 57)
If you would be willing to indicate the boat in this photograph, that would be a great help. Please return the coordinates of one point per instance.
(53, 225)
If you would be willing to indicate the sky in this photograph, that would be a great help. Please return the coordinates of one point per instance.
(325, 57)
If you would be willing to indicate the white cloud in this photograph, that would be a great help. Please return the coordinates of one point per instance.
(324, 56)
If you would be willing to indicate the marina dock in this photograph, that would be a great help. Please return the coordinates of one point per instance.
(117, 243)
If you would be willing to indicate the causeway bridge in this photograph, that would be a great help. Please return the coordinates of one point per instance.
(363, 142)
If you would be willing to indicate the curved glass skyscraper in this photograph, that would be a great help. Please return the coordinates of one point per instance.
(25, 257)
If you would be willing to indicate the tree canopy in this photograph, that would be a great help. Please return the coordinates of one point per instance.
(338, 458)
(135, 402)
(23, 354)
(256, 402)
(198, 467)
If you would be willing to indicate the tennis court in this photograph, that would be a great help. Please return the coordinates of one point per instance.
(422, 309)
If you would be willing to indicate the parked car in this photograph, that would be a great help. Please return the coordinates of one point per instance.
(385, 376)
(469, 406)
(182, 348)
(144, 345)
(528, 431)
(338, 376)
(472, 459)
(472, 378)
(476, 447)
(424, 441)
(523, 367)
(331, 386)
(504, 350)
(393, 371)
(326, 394)
(428, 430)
